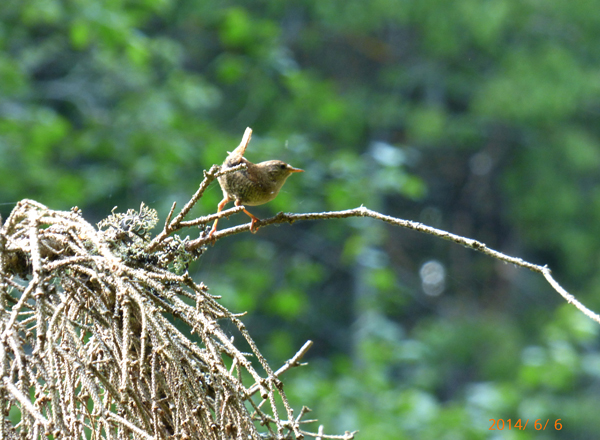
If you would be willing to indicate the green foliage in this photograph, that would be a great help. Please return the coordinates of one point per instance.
(476, 116)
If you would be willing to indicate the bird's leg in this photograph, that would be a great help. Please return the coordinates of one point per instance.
(253, 217)
(220, 207)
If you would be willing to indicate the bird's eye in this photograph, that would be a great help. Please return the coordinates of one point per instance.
(282, 166)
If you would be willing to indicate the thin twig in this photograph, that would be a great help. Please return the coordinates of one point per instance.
(320, 433)
(130, 425)
(293, 362)
(209, 218)
(170, 215)
(25, 401)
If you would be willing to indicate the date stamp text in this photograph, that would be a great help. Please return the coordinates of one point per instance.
(538, 425)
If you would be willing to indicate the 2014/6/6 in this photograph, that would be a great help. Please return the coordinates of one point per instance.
(539, 425)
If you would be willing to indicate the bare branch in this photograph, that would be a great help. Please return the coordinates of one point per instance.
(409, 224)
(209, 218)
(130, 425)
(293, 362)
(320, 436)
(25, 401)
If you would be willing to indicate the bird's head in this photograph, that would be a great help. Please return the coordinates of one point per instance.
(277, 171)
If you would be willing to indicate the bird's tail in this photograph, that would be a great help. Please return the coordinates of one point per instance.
(238, 153)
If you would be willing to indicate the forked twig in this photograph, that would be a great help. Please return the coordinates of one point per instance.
(293, 362)
(176, 224)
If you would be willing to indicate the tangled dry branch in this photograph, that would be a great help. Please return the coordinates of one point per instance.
(89, 348)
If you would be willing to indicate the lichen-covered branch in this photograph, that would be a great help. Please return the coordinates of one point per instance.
(106, 362)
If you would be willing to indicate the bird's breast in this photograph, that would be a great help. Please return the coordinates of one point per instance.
(246, 188)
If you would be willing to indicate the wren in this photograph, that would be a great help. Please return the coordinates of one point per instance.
(255, 185)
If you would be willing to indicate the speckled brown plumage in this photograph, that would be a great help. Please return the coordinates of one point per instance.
(257, 184)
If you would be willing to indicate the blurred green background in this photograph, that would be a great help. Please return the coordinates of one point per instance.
(480, 117)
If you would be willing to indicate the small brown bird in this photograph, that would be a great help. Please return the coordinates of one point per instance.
(257, 184)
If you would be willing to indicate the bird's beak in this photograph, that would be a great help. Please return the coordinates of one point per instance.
(295, 170)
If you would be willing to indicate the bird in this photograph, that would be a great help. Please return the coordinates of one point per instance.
(255, 185)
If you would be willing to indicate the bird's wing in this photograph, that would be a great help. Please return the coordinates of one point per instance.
(237, 154)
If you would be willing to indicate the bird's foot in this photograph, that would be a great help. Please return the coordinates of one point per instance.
(212, 233)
